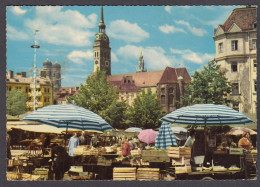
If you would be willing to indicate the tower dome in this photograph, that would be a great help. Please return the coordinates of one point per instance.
(47, 63)
(56, 65)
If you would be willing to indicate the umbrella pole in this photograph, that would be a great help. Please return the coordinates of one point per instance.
(206, 139)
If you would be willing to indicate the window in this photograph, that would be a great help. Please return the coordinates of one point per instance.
(45, 90)
(255, 65)
(236, 106)
(255, 25)
(235, 88)
(220, 47)
(233, 66)
(255, 86)
(253, 43)
(234, 45)
(162, 90)
(163, 99)
(27, 89)
(171, 99)
(170, 90)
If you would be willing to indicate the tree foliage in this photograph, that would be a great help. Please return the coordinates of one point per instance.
(15, 102)
(208, 86)
(146, 110)
(98, 96)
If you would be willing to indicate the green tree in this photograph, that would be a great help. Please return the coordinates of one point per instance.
(209, 86)
(98, 96)
(15, 102)
(146, 110)
(116, 114)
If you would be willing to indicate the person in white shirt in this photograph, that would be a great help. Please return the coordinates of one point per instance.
(191, 139)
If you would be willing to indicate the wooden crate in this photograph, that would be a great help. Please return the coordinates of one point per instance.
(101, 161)
(124, 173)
(178, 152)
(180, 161)
(251, 157)
(182, 169)
(148, 174)
(155, 156)
(13, 176)
(236, 151)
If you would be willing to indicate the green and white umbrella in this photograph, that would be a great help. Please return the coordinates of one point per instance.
(69, 116)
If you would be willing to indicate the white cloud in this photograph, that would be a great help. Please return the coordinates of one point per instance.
(170, 29)
(14, 34)
(191, 56)
(114, 57)
(194, 30)
(129, 32)
(155, 58)
(168, 9)
(80, 57)
(60, 27)
(18, 10)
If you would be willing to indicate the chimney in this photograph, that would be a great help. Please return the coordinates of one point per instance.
(11, 74)
(23, 74)
(43, 74)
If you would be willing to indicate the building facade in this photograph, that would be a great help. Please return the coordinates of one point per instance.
(20, 81)
(236, 46)
(61, 97)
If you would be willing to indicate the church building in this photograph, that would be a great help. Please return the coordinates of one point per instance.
(167, 84)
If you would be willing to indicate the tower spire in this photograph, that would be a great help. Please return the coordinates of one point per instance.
(141, 67)
(102, 25)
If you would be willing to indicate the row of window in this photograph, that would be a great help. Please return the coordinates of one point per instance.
(170, 90)
(102, 54)
(234, 45)
(234, 66)
(170, 99)
(27, 89)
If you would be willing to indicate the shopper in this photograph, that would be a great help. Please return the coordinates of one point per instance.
(73, 143)
(82, 139)
(61, 161)
(126, 148)
(245, 142)
(191, 139)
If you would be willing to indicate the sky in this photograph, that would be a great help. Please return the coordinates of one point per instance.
(174, 36)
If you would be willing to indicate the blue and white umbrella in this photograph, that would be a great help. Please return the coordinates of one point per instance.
(133, 129)
(206, 114)
(69, 116)
(165, 137)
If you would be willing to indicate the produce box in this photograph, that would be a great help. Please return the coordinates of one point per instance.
(180, 161)
(148, 174)
(182, 169)
(236, 151)
(101, 161)
(136, 152)
(124, 173)
(42, 172)
(220, 152)
(13, 176)
(178, 152)
(155, 156)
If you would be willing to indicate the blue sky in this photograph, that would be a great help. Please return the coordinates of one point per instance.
(175, 36)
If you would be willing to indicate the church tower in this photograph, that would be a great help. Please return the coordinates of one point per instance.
(141, 67)
(102, 50)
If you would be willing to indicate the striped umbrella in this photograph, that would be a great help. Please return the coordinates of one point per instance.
(206, 114)
(133, 129)
(69, 116)
(165, 137)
